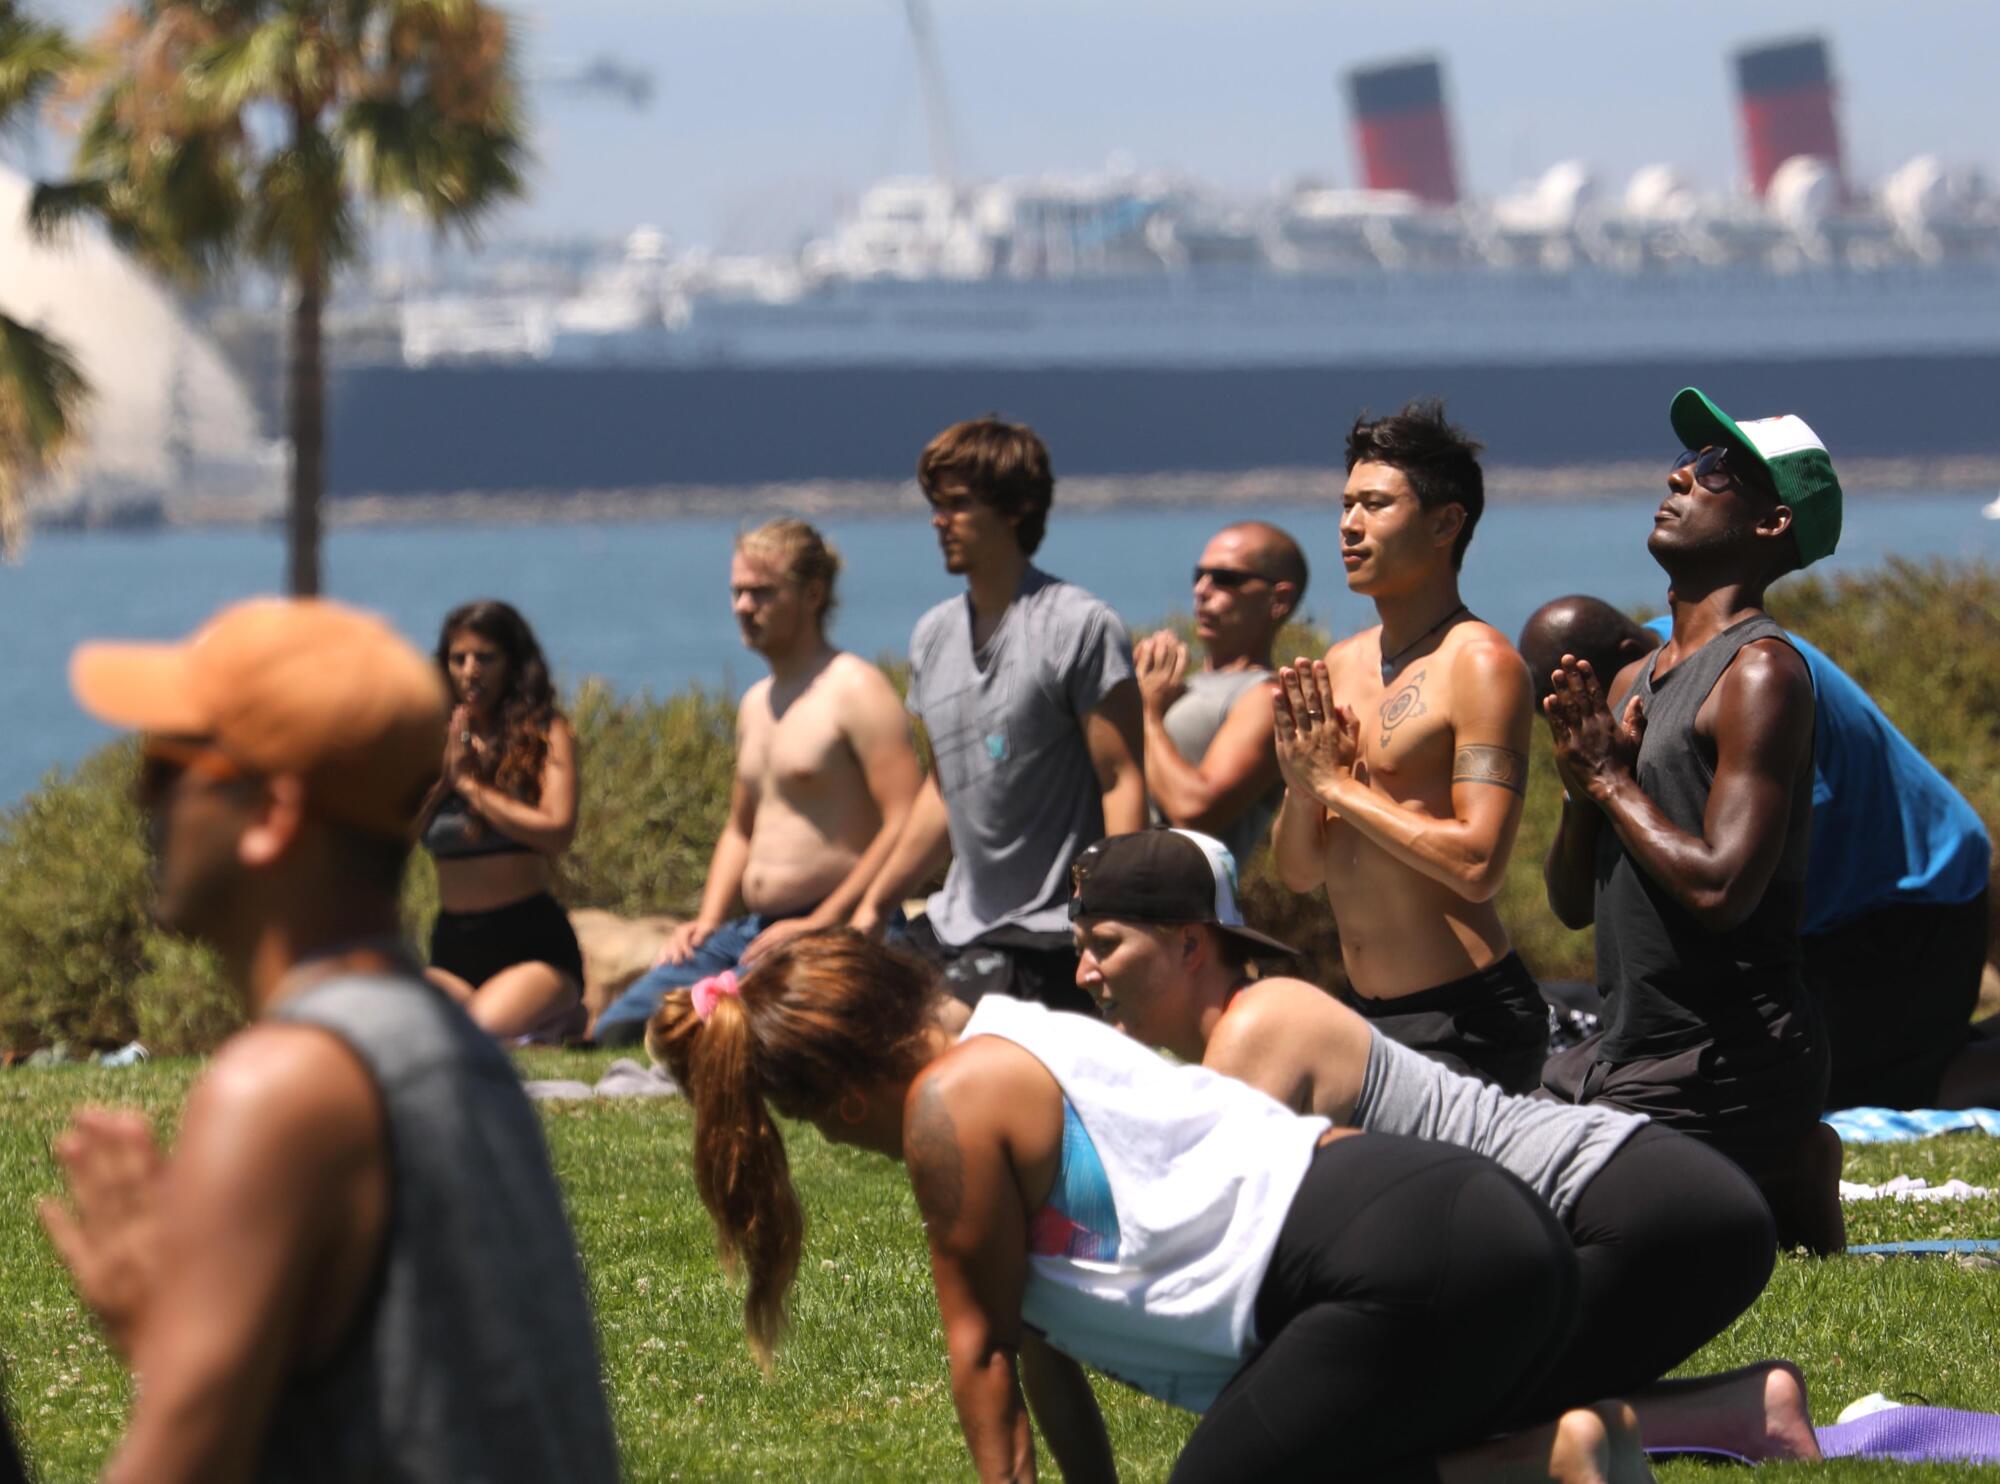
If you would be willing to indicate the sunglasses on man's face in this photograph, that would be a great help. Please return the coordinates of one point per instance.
(1714, 471)
(1229, 579)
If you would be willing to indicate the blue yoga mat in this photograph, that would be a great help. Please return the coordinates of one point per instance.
(1895, 1126)
(1902, 1249)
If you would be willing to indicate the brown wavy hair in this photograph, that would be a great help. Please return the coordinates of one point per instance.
(1003, 464)
(828, 1014)
(526, 711)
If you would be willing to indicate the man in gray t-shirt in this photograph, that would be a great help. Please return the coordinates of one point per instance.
(1025, 687)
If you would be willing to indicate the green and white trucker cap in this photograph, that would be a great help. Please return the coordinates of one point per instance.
(1793, 458)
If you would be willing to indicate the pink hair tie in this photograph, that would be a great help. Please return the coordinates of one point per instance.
(704, 993)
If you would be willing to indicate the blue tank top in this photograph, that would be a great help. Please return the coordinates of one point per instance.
(1887, 826)
(1079, 1219)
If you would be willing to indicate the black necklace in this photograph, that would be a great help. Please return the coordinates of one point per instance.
(1389, 664)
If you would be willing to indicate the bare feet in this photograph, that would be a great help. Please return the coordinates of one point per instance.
(1759, 1411)
(1587, 1445)
(1599, 1445)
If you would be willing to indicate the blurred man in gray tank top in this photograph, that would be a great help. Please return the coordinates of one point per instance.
(1211, 764)
(1686, 823)
(355, 1263)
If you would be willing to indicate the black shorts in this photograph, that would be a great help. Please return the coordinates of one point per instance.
(1493, 1024)
(477, 945)
(1010, 961)
(1896, 991)
(1755, 1104)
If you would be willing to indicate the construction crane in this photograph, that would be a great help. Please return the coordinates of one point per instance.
(937, 107)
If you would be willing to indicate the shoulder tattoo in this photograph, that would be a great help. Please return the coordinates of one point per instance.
(937, 1171)
(1497, 765)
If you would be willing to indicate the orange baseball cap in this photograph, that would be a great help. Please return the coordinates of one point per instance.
(284, 685)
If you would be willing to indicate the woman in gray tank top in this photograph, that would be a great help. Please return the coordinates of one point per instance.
(1673, 1241)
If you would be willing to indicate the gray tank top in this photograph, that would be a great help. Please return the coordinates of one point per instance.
(1192, 722)
(1669, 983)
(474, 1357)
(1554, 1148)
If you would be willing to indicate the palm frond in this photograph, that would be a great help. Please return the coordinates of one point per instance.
(258, 64)
(41, 398)
(299, 215)
(32, 57)
(41, 391)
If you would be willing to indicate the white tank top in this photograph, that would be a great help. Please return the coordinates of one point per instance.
(1174, 1182)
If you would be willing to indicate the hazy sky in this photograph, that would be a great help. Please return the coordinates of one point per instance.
(771, 113)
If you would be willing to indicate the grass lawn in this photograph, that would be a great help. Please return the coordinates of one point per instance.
(860, 1391)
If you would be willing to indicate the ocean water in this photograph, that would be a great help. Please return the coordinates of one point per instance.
(645, 605)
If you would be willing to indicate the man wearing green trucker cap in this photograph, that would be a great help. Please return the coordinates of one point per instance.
(1686, 819)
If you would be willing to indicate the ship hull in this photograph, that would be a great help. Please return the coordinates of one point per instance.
(524, 427)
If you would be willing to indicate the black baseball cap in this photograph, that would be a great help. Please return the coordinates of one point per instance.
(1164, 876)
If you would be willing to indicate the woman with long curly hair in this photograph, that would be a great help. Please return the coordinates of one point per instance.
(1334, 1303)
(503, 810)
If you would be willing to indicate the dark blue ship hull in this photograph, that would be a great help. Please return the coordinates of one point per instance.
(529, 427)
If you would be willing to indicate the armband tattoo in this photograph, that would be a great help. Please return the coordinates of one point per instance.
(1496, 765)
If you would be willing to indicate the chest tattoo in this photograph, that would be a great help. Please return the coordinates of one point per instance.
(1408, 701)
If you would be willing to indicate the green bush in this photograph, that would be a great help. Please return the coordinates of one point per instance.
(80, 962)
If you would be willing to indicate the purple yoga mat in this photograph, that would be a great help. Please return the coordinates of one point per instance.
(1906, 1434)
(1916, 1435)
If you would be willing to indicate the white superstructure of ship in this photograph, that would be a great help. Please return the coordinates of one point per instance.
(1125, 268)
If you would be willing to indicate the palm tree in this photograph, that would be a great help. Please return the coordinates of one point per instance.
(222, 128)
(41, 393)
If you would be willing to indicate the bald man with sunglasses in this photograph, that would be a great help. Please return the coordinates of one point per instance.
(1211, 763)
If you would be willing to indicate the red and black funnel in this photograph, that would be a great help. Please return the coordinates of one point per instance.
(1401, 131)
(1786, 89)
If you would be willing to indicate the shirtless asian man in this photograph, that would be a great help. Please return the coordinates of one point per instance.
(825, 773)
(1404, 755)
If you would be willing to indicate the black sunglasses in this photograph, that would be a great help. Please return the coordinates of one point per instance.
(1714, 472)
(1229, 579)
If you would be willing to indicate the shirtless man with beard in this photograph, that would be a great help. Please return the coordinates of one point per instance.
(1404, 755)
(825, 774)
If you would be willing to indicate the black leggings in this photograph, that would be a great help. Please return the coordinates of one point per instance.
(1673, 1241)
(1417, 1293)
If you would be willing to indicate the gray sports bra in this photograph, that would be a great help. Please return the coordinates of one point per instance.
(456, 833)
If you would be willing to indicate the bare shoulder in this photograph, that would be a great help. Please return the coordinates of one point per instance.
(1768, 679)
(1341, 656)
(1483, 656)
(982, 1077)
(755, 707)
(295, 1092)
(1341, 650)
(857, 680)
(1272, 1012)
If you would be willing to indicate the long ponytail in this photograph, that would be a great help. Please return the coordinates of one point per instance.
(740, 1167)
(825, 1015)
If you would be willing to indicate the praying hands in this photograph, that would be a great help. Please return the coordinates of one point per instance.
(1594, 750)
(1318, 742)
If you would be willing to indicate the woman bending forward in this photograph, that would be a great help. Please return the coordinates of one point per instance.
(1335, 1305)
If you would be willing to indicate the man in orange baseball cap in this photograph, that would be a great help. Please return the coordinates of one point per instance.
(359, 1209)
